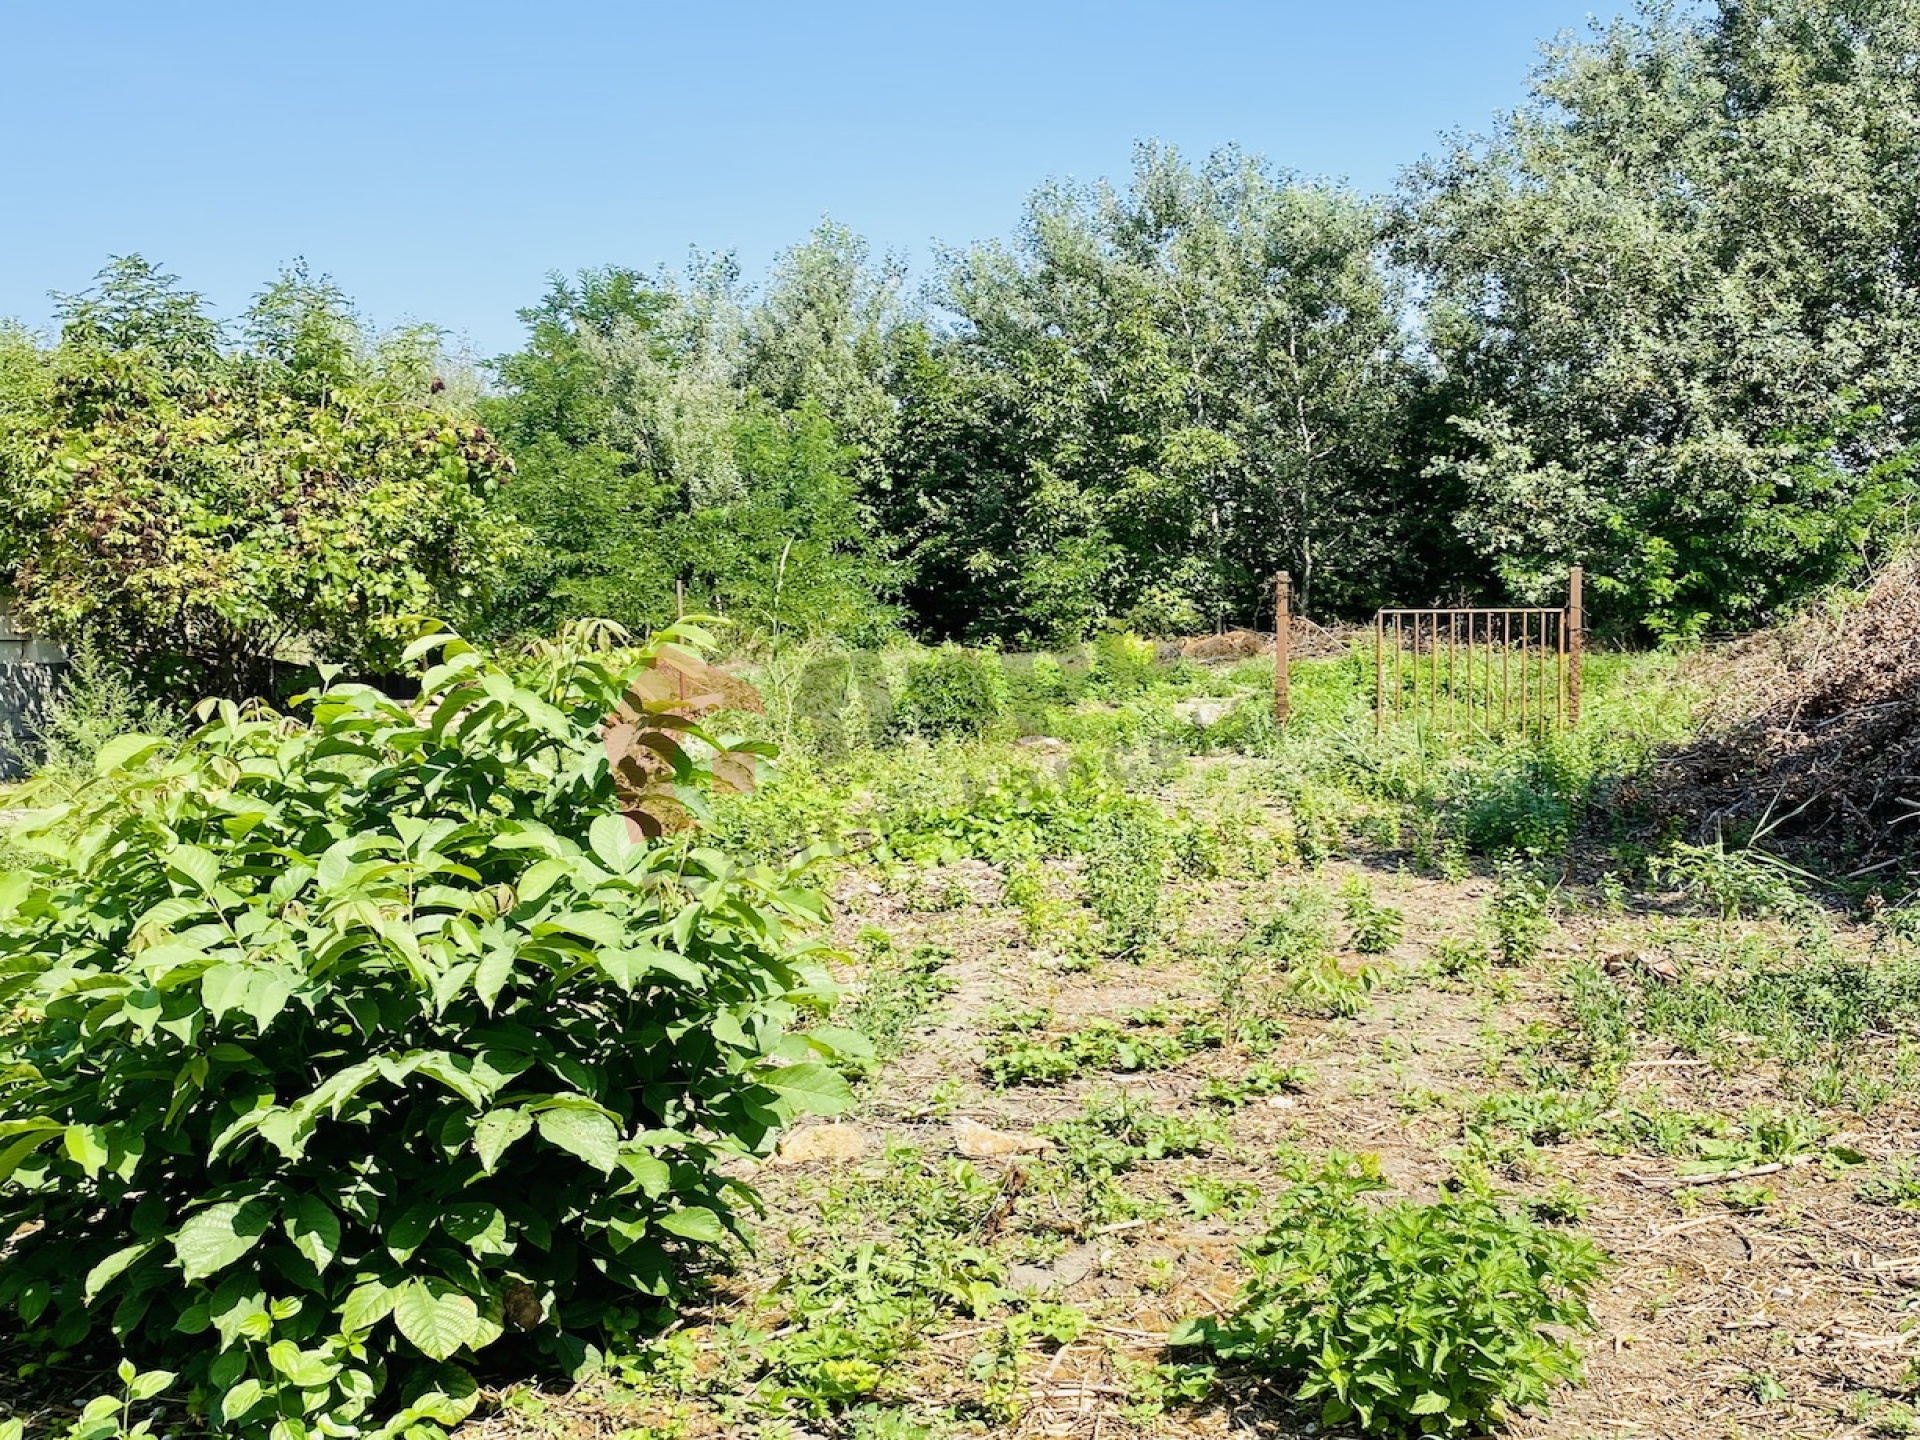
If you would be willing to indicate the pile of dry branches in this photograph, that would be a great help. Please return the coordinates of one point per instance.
(1813, 735)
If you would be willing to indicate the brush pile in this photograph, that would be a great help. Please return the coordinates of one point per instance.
(1813, 735)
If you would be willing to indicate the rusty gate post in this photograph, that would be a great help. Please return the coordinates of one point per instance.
(1576, 623)
(1282, 646)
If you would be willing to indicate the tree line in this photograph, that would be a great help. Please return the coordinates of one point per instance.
(1662, 320)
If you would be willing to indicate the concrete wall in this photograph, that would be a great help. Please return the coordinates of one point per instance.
(30, 670)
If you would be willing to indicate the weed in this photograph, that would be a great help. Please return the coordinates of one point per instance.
(1375, 928)
(1265, 1078)
(1144, 1043)
(1896, 1183)
(898, 994)
(1114, 1133)
(1435, 1318)
(951, 691)
(1562, 1205)
(1517, 913)
(1126, 856)
(1738, 883)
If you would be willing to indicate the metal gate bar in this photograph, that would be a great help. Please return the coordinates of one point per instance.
(1504, 666)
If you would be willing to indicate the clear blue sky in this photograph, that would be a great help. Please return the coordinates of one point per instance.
(440, 160)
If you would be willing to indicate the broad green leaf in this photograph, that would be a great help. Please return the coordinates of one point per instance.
(808, 1088)
(478, 1226)
(195, 865)
(366, 1305)
(613, 844)
(86, 1146)
(314, 1230)
(490, 978)
(240, 1399)
(595, 925)
(696, 1222)
(111, 1268)
(583, 1132)
(224, 989)
(125, 750)
(213, 1238)
(307, 1369)
(149, 1383)
(496, 1131)
(437, 1319)
(1430, 1403)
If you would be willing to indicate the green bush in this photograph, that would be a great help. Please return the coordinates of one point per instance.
(344, 1050)
(1517, 913)
(1428, 1319)
(1126, 854)
(1122, 663)
(953, 691)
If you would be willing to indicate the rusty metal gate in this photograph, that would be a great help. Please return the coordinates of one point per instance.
(1481, 668)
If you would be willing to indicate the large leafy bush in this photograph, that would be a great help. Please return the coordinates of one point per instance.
(347, 1049)
(191, 505)
(1409, 1318)
(954, 691)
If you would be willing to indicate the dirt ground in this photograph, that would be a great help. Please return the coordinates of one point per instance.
(1785, 1318)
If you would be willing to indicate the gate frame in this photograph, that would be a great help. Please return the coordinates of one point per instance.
(1569, 650)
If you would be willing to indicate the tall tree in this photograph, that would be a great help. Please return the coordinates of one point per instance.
(671, 431)
(1675, 306)
(1205, 375)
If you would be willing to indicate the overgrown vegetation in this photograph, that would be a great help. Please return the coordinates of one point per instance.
(347, 1049)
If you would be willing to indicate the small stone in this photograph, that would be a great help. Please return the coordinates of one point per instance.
(978, 1142)
(821, 1142)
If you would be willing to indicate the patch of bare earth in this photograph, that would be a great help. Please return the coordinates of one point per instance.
(1712, 1322)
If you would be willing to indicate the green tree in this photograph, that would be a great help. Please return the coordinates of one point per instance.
(666, 431)
(1152, 402)
(175, 500)
(1675, 307)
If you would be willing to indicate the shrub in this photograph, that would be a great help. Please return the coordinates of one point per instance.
(1122, 663)
(1375, 928)
(1427, 1319)
(1517, 913)
(345, 1050)
(953, 691)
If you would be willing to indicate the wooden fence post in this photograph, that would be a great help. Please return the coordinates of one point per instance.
(1282, 643)
(1576, 622)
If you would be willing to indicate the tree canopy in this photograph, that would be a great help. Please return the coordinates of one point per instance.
(176, 499)
(1662, 321)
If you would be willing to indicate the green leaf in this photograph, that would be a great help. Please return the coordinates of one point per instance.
(314, 1230)
(492, 974)
(585, 1132)
(808, 1088)
(192, 863)
(86, 1146)
(496, 1131)
(213, 1238)
(696, 1222)
(110, 1269)
(149, 1383)
(367, 1305)
(436, 1318)
(125, 750)
(1429, 1404)
(613, 844)
(224, 988)
(240, 1399)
